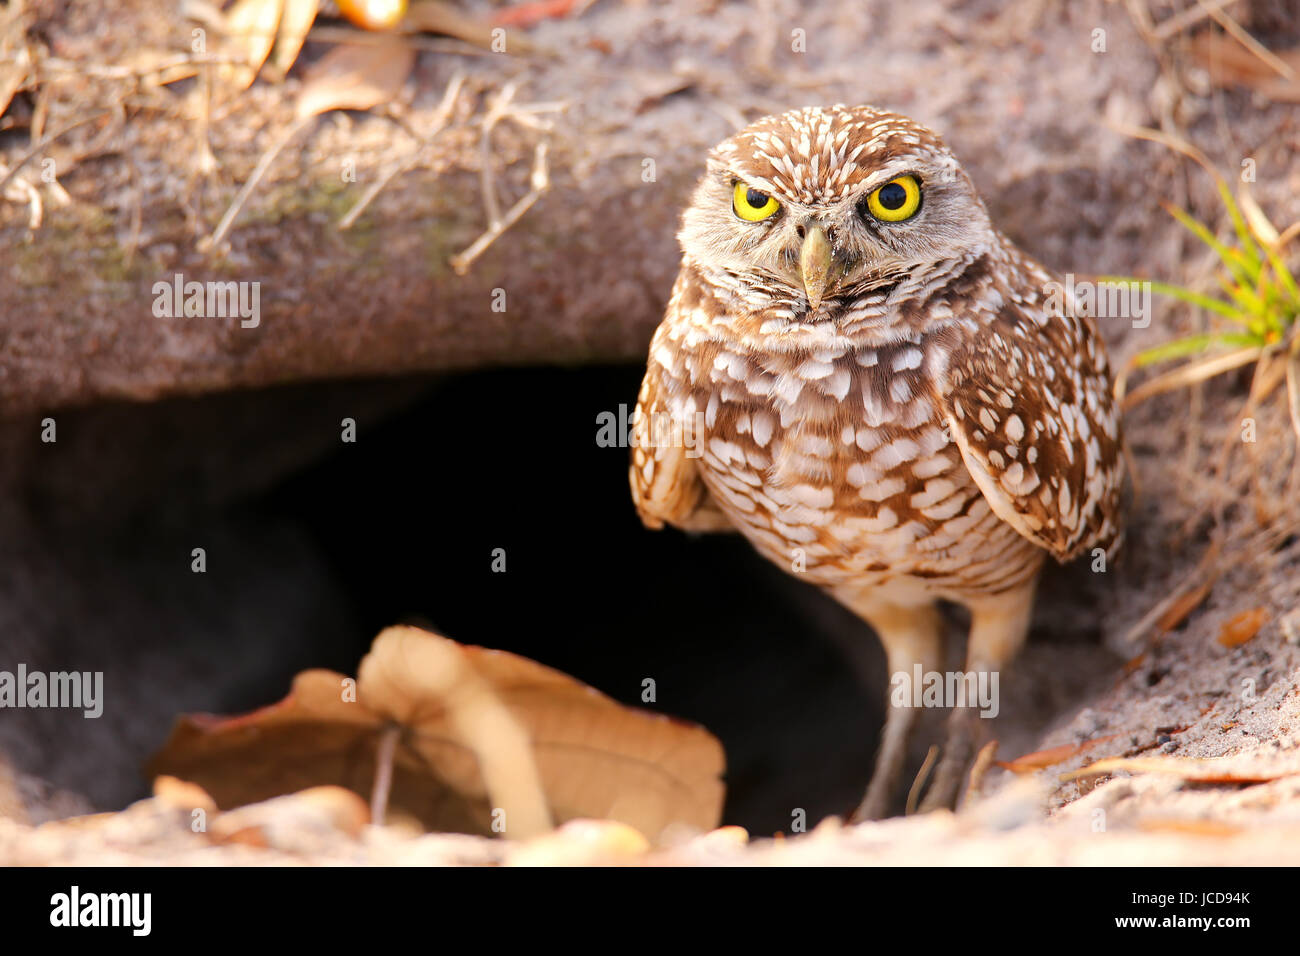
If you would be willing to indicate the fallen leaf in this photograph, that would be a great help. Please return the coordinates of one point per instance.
(295, 24)
(355, 77)
(1209, 828)
(526, 15)
(1050, 757)
(15, 64)
(1133, 663)
(655, 93)
(1183, 606)
(1214, 770)
(461, 716)
(1228, 63)
(250, 29)
(1242, 627)
(434, 16)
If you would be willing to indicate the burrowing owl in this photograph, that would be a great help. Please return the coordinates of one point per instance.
(871, 383)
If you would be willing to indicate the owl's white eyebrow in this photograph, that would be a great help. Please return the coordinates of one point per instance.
(888, 174)
(732, 177)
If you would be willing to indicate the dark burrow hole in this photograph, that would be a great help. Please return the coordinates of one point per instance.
(314, 545)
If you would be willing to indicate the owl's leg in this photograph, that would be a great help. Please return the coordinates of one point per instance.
(911, 636)
(999, 626)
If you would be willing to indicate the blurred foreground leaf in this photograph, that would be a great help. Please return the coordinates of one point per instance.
(459, 739)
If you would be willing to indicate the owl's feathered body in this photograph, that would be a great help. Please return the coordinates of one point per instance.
(923, 425)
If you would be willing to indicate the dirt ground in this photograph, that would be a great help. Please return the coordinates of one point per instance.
(1028, 105)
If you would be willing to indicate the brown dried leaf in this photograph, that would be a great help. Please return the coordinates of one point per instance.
(1230, 64)
(250, 28)
(355, 77)
(1039, 759)
(525, 15)
(1207, 828)
(15, 62)
(435, 16)
(295, 24)
(1242, 627)
(462, 712)
(408, 671)
(311, 737)
(1184, 605)
(1215, 770)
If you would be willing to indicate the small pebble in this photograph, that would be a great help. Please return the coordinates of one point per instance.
(581, 843)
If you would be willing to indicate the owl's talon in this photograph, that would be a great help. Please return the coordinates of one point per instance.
(958, 749)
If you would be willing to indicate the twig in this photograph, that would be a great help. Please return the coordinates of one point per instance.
(219, 234)
(1203, 576)
(1238, 33)
(383, 784)
(540, 182)
(1187, 18)
(44, 141)
(1190, 375)
(109, 72)
(1172, 142)
(442, 115)
(486, 182)
(28, 193)
(326, 34)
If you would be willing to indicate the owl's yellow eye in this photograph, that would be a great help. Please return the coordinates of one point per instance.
(753, 205)
(897, 200)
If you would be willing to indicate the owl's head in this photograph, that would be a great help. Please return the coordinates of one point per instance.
(820, 204)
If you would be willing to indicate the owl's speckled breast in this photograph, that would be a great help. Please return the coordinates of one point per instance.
(837, 462)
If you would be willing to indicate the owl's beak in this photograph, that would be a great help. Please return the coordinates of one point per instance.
(816, 265)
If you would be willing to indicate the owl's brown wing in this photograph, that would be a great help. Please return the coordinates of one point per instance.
(666, 482)
(1028, 399)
